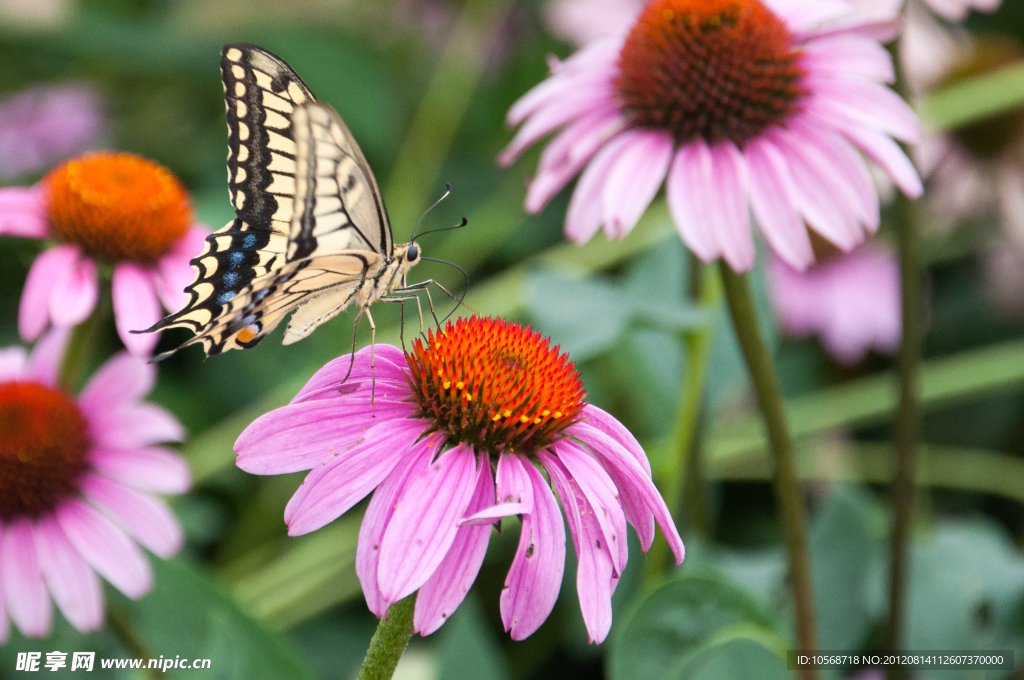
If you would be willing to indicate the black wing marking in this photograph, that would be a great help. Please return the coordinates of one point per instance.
(338, 205)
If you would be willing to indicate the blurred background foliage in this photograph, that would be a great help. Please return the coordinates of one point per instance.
(424, 85)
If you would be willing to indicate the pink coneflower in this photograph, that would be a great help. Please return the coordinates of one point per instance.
(739, 103)
(851, 301)
(76, 484)
(424, 429)
(584, 21)
(104, 208)
(44, 124)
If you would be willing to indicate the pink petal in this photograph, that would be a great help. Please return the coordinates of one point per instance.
(596, 573)
(28, 602)
(567, 153)
(300, 436)
(425, 522)
(134, 427)
(445, 590)
(34, 310)
(772, 201)
(340, 482)
(609, 425)
(585, 213)
(122, 380)
(889, 157)
(23, 212)
(574, 103)
(850, 55)
(13, 363)
(728, 206)
(136, 307)
(5, 627)
(154, 469)
(634, 180)
(106, 548)
(632, 480)
(74, 585)
(689, 176)
(147, 519)
(514, 485)
(872, 105)
(47, 358)
(174, 273)
(601, 495)
(375, 521)
(74, 292)
(533, 582)
(381, 364)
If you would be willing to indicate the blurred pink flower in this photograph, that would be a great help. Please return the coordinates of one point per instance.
(76, 484)
(45, 124)
(423, 429)
(104, 208)
(770, 118)
(852, 302)
(583, 21)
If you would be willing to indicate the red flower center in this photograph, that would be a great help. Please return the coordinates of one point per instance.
(714, 69)
(117, 206)
(495, 385)
(43, 446)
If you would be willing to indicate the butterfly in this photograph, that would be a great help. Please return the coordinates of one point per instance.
(311, 233)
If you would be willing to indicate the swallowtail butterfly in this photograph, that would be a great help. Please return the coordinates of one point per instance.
(311, 233)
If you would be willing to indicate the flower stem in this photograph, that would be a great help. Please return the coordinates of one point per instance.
(907, 423)
(119, 623)
(81, 346)
(787, 489)
(389, 642)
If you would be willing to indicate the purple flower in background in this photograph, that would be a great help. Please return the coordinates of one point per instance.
(105, 208)
(851, 301)
(422, 432)
(45, 124)
(771, 118)
(77, 478)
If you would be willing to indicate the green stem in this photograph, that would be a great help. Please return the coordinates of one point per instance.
(787, 488)
(81, 347)
(119, 623)
(907, 421)
(389, 642)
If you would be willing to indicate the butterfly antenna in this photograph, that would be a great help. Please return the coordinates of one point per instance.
(461, 302)
(460, 225)
(447, 193)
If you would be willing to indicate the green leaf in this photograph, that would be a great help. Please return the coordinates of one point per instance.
(674, 620)
(740, 658)
(973, 100)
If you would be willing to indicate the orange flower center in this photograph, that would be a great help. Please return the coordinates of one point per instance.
(714, 69)
(117, 206)
(42, 448)
(495, 385)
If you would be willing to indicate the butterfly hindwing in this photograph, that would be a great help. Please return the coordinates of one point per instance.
(337, 202)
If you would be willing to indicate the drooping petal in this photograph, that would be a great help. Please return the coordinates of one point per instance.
(146, 518)
(34, 309)
(106, 548)
(888, 155)
(123, 379)
(634, 180)
(352, 376)
(445, 590)
(425, 522)
(28, 602)
(136, 307)
(774, 206)
(533, 582)
(23, 212)
(868, 105)
(154, 469)
(609, 424)
(5, 625)
(173, 270)
(72, 582)
(134, 427)
(375, 521)
(689, 191)
(74, 292)
(728, 206)
(596, 574)
(47, 357)
(850, 55)
(300, 436)
(585, 213)
(340, 482)
(636, 483)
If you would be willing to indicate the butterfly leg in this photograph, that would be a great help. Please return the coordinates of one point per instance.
(422, 285)
(352, 354)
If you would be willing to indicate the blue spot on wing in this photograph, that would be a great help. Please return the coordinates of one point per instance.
(250, 241)
(226, 296)
(237, 257)
(230, 279)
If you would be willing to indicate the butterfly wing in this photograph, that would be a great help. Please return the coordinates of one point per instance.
(338, 204)
(261, 92)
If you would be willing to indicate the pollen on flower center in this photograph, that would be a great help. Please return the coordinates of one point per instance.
(714, 69)
(495, 385)
(117, 206)
(43, 443)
